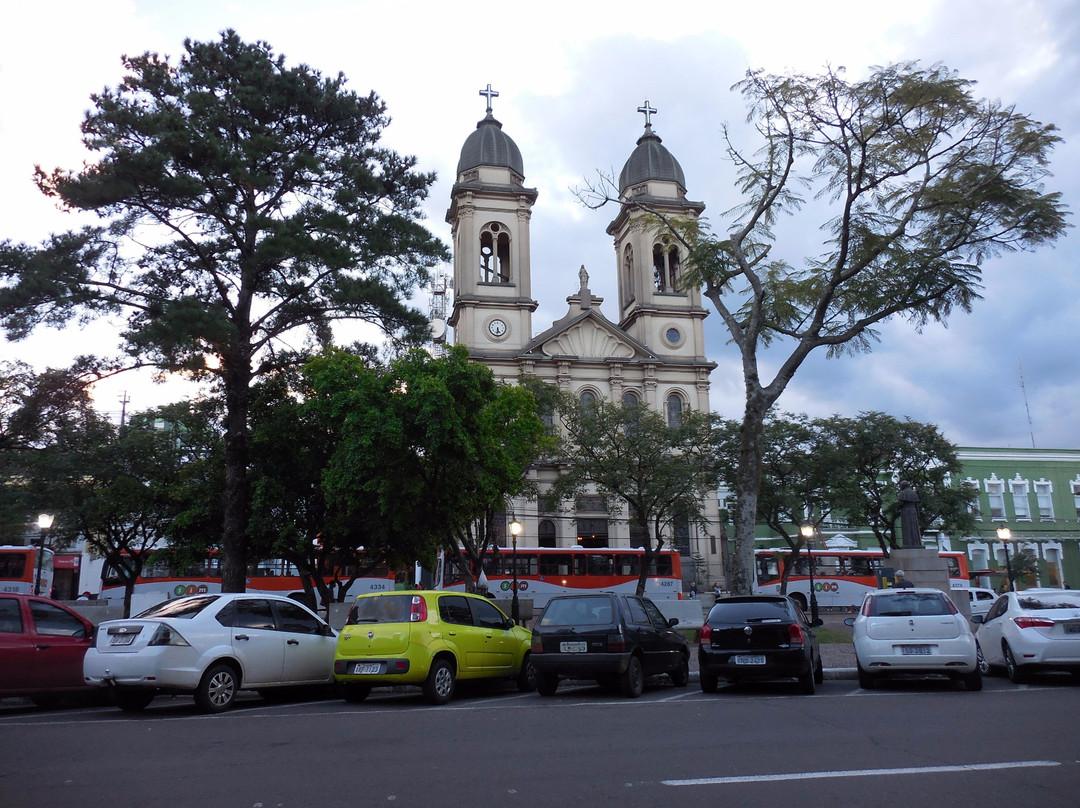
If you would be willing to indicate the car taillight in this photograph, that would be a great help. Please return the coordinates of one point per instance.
(866, 608)
(537, 645)
(706, 634)
(418, 611)
(952, 606)
(795, 634)
(1033, 622)
(616, 642)
(166, 636)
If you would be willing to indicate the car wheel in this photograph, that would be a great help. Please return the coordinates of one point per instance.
(866, 680)
(546, 684)
(633, 680)
(1015, 672)
(354, 694)
(709, 682)
(984, 666)
(439, 686)
(526, 679)
(819, 672)
(973, 681)
(217, 689)
(680, 677)
(808, 682)
(132, 701)
(47, 701)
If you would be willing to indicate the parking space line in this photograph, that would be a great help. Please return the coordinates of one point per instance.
(772, 778)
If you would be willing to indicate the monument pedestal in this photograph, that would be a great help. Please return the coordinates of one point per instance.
(926, 568)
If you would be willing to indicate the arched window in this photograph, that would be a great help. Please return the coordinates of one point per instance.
(588, 401)
(628, 273)
(545, 533)
(630, 398)
(674, 410)
(667, 267)
(495, 254)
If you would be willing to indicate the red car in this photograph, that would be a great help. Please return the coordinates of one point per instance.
(42, 644)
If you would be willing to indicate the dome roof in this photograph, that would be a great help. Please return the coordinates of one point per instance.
(490, 146)
(650, 161)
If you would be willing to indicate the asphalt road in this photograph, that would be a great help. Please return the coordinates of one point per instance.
(901, 744)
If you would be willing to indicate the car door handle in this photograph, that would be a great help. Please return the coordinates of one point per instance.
(294, 642)
(43, 646)
(242, 637)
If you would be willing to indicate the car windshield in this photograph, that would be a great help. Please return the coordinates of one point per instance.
(585, 611)
(380, 609)
(185, 608)
(1041, 602)
(749, 611)
(906, 604)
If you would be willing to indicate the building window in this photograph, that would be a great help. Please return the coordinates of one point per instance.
(666, 268)
(588, 401)
(680, 534)
(995, 492)
(630, 399)
(973, 505)
(674, 410)
(592, 532)
(628, 274)
(1043, 491)
(495, 254)
(1075, 485)
(545, 533)
(1019, 491)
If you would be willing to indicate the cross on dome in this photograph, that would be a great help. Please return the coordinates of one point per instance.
(490, 93)
(645, 110)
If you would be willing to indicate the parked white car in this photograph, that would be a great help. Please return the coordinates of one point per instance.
(913, 631)
(211, 646)
(981, 600)
(1029, 631)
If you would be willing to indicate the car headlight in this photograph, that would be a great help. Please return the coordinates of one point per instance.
(167, 636)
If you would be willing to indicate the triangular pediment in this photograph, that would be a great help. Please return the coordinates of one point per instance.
(589, 336)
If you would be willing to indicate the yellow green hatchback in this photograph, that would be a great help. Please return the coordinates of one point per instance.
(431, 639)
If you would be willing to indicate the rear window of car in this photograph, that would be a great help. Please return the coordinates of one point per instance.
(586, 611)
(380, 609)
(186, 608)
(750, 611)
(906, 604)
(1042, 602)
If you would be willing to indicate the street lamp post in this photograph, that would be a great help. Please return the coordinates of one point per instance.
(45, 521)
(1004, 535)
(808, 534)
(515, 531)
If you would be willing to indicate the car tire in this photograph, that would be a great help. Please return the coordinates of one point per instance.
(354, 694)
(1016, 674)
(132, 701)
(819, 672)
(808, 681)
(984, 667)
(633, 678)
(217, 689)
(439, 685)
(680, 677)
(972, 681)
(546, 683)
(866, 679)
(708, 681)
(526, 679)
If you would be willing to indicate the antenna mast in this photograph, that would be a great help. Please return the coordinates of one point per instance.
(1027, 409)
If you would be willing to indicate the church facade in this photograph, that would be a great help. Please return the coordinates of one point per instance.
(651, 350)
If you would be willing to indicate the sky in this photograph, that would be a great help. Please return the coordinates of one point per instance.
(570, 76)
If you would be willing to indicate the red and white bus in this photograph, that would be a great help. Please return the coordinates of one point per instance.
(19, 570)
(163, 579)
(546, 571)
(841, 577)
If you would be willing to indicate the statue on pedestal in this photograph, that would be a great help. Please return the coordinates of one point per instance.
(910, 532)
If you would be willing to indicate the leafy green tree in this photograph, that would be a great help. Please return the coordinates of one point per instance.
(426, 448)
(248, 206)
(916, 182)
(877, 452)
(629, 453)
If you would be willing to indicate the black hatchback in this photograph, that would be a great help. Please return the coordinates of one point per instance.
(758, 637)
(618, 640)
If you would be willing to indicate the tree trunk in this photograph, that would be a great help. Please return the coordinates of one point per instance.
(748, 478)
(234, 527)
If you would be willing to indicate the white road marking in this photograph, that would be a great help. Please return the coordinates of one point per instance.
(772, 778)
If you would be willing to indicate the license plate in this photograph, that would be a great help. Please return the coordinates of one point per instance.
(1072, 628)
(368, 668)
(915, 650)
(573, 647)
(749, 659)
(121, 639)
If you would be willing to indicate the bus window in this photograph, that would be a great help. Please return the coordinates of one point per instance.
(13, 565)
(555, 564)
(526, 564)
(600, 564)
(801, 565)
(156, 568)
(954, 566)
(860, 565)
(627, 565)
(828, 565)
(662, 566)
(768, 568)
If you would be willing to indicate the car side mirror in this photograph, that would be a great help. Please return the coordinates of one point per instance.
(817, 623)
(977, 619)
(509, 624)
(849, 621)
(672, 622)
